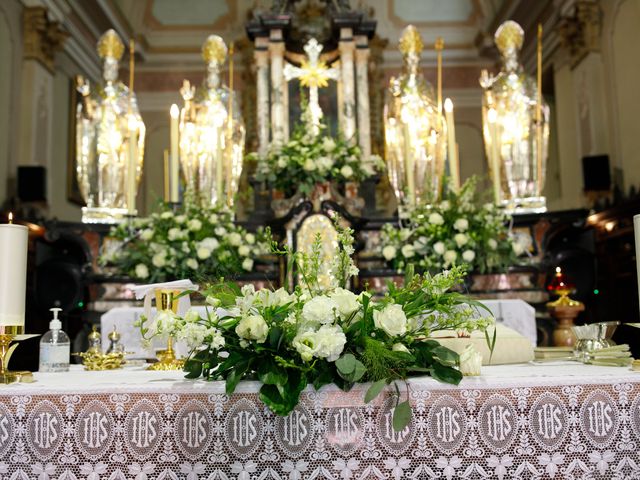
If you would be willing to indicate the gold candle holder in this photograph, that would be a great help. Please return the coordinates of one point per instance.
(167, 299)
(9, 335)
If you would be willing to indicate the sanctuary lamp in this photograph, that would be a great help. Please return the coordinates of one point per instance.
(515, 122)
(211, 131)
(415, 130)
(109, 139)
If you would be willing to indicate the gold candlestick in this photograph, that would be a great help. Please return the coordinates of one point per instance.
(167, 299)
(8, 335)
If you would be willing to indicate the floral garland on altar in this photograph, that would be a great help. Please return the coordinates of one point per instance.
(459, 230)
(314, 336)
(307, 159)
(199, 242)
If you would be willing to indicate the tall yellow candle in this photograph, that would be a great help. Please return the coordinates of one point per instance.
(132, 164)
(175, 159)
(451, 145)
(166, 176)
(14, 241)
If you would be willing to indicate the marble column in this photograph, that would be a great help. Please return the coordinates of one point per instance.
(347, 47)
(262, 93)
(362, 81)
(276, 52)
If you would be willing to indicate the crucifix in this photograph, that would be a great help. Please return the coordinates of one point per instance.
(313, 74)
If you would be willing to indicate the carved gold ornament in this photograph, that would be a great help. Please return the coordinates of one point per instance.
(509, 37)
(110, 45)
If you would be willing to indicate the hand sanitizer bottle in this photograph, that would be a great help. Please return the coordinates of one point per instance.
(55, 347)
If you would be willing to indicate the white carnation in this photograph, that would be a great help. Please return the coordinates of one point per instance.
(436, 219)
(461, 224)
(461, 239)
(445, 205)
(468, 255)
(309, 165)
(253, 327)
(181, 218)
(319, 310)
(244, 251)
(203, 253)
(389, 252)
(213, 218)
(166, 215)
(142, 271)
(250, 238)
(330, 342)
(210, 243)
(174, 233)
(346, 171)
(146, 235)
(328, 144)
(220, 231)
(391, 319)
(159, 260)
(408, 251)
(439, 248)
(493, 244)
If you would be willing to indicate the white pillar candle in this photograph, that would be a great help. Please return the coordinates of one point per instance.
(174, 170)
(14, 240)
(494, 160)
(451, 144)
(346, 47)
(132, 166)
(636, 224)
(362, 81)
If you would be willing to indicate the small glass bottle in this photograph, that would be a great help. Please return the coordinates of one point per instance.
(55, 347)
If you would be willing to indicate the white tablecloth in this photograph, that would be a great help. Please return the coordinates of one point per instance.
(560, 421)
(515, 314)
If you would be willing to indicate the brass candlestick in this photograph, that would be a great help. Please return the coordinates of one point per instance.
(8, 335)
(565, 310)
(167, 299)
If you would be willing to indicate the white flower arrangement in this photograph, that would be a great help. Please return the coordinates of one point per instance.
(459, 230)
(315, 335)
(199, 243)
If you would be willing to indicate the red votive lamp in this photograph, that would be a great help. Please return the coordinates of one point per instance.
(560, 285)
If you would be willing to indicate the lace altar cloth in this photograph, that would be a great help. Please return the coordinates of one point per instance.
(563, 421)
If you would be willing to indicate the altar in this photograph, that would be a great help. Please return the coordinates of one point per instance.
(561, 420)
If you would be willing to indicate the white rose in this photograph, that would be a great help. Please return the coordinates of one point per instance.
(436, 219)
(408, 251)
(181, 218)
(166, 215)
(330, 341)
(468, 255)
(220, 231)
(210, 243)
(174, 233)
(253, 327)
(146, 235)
(142, 271)
(235, 239)
(309, 165)
(247, 264)
(389, 252)
(439, 248)
(346, 301)
(461, 224)
(305, 344)
(244, 251)
(461, 239)
(391, 319)
(250, 238)
(493, 244)
(194, 225)
(400, 347)
(346, 171)
(319, 309)
(192, 263)
(450, 256)
(159, 260)
(203, 253)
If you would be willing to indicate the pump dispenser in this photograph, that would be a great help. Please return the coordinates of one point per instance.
(55, 347)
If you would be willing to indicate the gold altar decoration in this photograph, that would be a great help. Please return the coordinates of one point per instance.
(110, 139)
(415, 130)
(515, 126)
(93, 359)
(9, 336)
(212, 133)
(167, 299)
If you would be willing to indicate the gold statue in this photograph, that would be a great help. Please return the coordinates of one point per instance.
(211, 138)
(107, 121)
(515, 126)
(415, 131)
